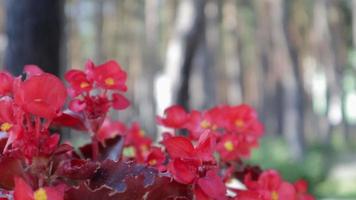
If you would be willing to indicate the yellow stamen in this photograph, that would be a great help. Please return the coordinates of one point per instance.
(40, 194)
(142, 133)
(239, 123)
(5, 126)
(274, 195)
(205, 124)
(152, 162)
(144, 148)
(109, 81)
(229, 146)
(84, 84)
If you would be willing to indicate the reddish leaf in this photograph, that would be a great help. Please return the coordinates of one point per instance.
(133, 181)
(69, 119)
(77, 169)
(9, 168)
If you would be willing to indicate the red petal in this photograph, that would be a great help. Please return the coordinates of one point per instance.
(286, 192)
(212, 185)
(42, 95)
(22, 191)
(183, 171)
(32, 70)
(179, 147)
(53, 194)
(6, 81)
(175, 117)
(119, 101)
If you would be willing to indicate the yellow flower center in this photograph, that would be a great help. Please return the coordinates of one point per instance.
(84, 84)
(5, 126)
(40, 194)
(274, 195)
(229, 146)
(152, 162)
(239, 123)
(141, 133)
(109, 81)
(205, 124)
(144, 148)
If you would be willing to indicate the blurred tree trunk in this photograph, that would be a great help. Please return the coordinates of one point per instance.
(323, 50)
(99, 29)
(288, 80)
(34, 29)
(339, 44)
(232, 56)
(269, 87)
(180, 52)
(146, 103)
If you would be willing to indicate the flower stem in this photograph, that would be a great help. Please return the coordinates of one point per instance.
(95, 148)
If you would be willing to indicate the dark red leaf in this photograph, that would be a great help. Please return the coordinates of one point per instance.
(9, 168)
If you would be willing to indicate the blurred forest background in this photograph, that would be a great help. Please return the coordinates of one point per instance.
(294, 61)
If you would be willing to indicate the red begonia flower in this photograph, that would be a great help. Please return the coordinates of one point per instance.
(109, 75)
(78, 82)
(232, 146)
(138, 142)
(301, 186)
(175, 117)
(155, 157)
(23, 191)
(42, 95)
(243, 119)
(271, 187)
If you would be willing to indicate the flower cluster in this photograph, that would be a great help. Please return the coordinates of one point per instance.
(199, 156)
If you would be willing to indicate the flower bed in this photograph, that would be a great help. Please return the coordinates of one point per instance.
(198, 159)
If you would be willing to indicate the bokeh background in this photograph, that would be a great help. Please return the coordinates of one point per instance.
(294, 61)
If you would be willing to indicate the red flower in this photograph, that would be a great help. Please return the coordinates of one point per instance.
(270, 186)
(301, 186)
(175, 117)
(23, 191)
(42, 95)
(78, 82)
(6, 81)
(243, 119)
(211, 120)
(108, 75)
(136, 143)
(155, 157)
(195, 165)
(232, 146)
